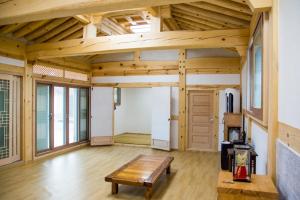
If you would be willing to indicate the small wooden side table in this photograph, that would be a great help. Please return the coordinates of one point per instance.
(260, 188)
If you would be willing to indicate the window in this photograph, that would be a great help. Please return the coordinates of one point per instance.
(256, 71)
(117, 96)
(62, 116)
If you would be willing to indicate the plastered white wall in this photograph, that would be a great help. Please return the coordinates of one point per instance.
(134, 113)
(213, 79)
(136, 79)
(260, 143)
(11, 61)
(160, 55)
(211, 52)
(289, 65)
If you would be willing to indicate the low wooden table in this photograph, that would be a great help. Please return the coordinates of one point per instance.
(261, 187)
(144, 170)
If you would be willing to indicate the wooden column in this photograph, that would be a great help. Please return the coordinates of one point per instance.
(89, 31)
(273, 92)
(182, 100)
(28, 113)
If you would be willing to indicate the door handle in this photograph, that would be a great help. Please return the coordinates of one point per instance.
(211, 119)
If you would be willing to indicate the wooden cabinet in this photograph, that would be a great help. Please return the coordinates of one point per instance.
(231, 120)
(260, 188)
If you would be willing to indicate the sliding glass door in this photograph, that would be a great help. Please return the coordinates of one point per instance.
(62, 116)
(43, 117)
(73, 115)
(83, 110)
(59, 116)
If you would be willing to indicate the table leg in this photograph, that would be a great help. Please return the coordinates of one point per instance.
(168, 170)
(114, 188)
(148, 193)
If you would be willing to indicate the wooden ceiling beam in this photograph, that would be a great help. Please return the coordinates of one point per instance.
(83, 19)
(11, 28)
(243, 8)
(43, 30)
(16, 11)
(260, 5)
(192, 23)
(189, 27)
(225, 11)
(197, 12)
(240, 1)
(66, 33)
(196, 18)
(76, 35)
(57, 30)
(30, 28)
(220, 17)
(172, 23)
(131, 42)
(12, 47)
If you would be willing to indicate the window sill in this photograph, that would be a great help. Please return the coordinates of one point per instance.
(258, 121)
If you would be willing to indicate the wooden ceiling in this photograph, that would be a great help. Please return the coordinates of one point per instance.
(202, 15)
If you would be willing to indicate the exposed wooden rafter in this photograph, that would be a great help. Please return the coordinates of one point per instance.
(16, 11)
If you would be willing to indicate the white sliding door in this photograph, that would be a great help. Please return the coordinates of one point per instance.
(102, 108)
(161, 111)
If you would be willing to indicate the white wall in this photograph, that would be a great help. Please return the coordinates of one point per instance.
(260, 143)
(213, 79)
(288, 161)
(11, 61)
(134, 113)
(289, 65)
(136, 79)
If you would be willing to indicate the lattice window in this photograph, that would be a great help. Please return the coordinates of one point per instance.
(47, 71)
(4, 119)
(76, 76)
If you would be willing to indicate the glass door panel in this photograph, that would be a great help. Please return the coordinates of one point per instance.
(59, 117)
(83, 112)
(73, 115)
(42, 117)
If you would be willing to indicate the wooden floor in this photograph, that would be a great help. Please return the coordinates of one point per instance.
(80, 175)
(133, 138)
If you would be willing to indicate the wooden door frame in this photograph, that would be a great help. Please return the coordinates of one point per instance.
(215, 116)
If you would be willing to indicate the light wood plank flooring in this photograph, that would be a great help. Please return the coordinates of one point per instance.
(133, 138)
(80, 175)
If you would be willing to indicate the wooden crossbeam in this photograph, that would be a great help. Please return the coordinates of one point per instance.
(16, 11)
(11, 47)
(130, 42)
(211, 65)
(260, 5)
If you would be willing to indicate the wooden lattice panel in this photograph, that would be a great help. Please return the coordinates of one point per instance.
(47, 71)
(76, 76)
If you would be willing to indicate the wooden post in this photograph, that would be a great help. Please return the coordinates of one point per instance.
(273, 129)
(148, 193)
(182, 100)
(28, 113)
(114, 188)
(89, 31)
